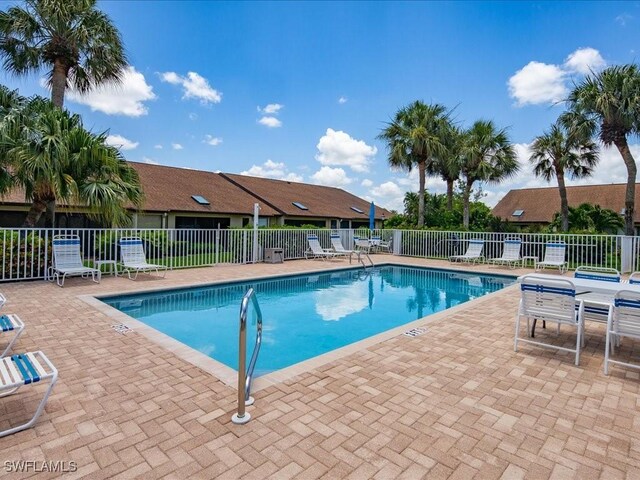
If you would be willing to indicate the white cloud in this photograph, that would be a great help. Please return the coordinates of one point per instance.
(585, 61)
(342, 100)
(176, 146)
(271, 122)
(537, 83)
(623, 19)
(150, 161)
(193, 86)
(366, 183)
(158, 147)
(388, 194)
(331, 177)
(126, 98)
(211, 140)
(193, 116)
(271, 169)
(339, 148)
(121, 142)
(271, 109)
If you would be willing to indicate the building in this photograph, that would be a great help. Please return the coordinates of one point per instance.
(536, 206)
(186, 198)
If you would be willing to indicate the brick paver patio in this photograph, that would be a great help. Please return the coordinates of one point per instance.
(456, 402)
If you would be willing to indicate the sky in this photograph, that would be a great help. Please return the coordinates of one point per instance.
(300, 90)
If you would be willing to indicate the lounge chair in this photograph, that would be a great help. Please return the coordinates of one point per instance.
(67, 260)
(623, 321)
(473, 253)
(550, 300)
(26, 369)
(634, 278)
(316, 251)
(336, 243)
(510, 254)
(11, 323)
(135, 260)
(554, 257)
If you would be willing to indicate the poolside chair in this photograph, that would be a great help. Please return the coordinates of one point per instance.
(550, 300)
(594, 310)
(378, 244)
(135, 260)
(554, 257)
(11, 324)
(510, 254)
(473, 253)
(623, 321)
(336, 243)
(634, 278)
(17, 371)
(316, 251)
(67, 260)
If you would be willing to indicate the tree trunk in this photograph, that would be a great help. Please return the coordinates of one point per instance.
(38, 207)
(630, 197)
(59, 83)
(422, 173)
(50, 214)
(465, 198)
(564, 203)
(449, 194)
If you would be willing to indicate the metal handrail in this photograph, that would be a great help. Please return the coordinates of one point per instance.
(365, 254)
(246, 376)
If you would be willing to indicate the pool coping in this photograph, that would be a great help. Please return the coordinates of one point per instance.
(228, 375)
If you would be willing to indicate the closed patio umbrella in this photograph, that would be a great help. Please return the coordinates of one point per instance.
(372, 217)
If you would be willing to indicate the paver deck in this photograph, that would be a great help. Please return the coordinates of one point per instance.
(456, 402)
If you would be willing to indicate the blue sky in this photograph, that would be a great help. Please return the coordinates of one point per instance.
(301, 90)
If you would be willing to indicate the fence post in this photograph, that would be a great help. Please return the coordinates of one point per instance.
(626, 254)
(397, 239)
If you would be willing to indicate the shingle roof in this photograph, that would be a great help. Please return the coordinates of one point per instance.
(170, 189)
(539, 204)
(320, 201)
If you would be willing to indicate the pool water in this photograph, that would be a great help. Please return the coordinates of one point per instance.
(305, 315)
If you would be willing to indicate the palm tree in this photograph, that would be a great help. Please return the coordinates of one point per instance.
(447, 166)
(75, 42)
(415, 138)
(487, 155)
(557, 153)
(47, 152)
(609, 103)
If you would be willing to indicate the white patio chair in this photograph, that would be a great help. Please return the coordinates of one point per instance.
(623, 321)
(554, 257)
(634, 278)
(473, 253)
(378, 244)
(67, 260)
(17, 371)
(510, 253)
(135, 260)
(336, 243)
(550, 300)
(597, 312)
(315, 250)
(10, 323)
(362, 244)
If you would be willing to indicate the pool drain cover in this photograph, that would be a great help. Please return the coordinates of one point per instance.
(121, 328)
(415, 332)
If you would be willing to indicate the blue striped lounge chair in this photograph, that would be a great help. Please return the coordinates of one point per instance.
(315, 250)
(623, 321)
(550, 300)
(473, 253)
(554, 257)
(67, 260)
(25, 369)
(510, 253)
(134, 259)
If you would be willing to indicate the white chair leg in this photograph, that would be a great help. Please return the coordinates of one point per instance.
(18, 332)
(515, 341)
(578, 343)
(36, 415)
(607, 351)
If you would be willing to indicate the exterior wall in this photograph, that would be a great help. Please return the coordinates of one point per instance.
(148, 220)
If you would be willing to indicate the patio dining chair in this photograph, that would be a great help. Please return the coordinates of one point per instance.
(597, 311)
(67, 260)
(134, 258)
(623, 321)
(550, 300)
(24, 369)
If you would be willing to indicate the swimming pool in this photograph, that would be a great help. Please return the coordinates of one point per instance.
(304, 315)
